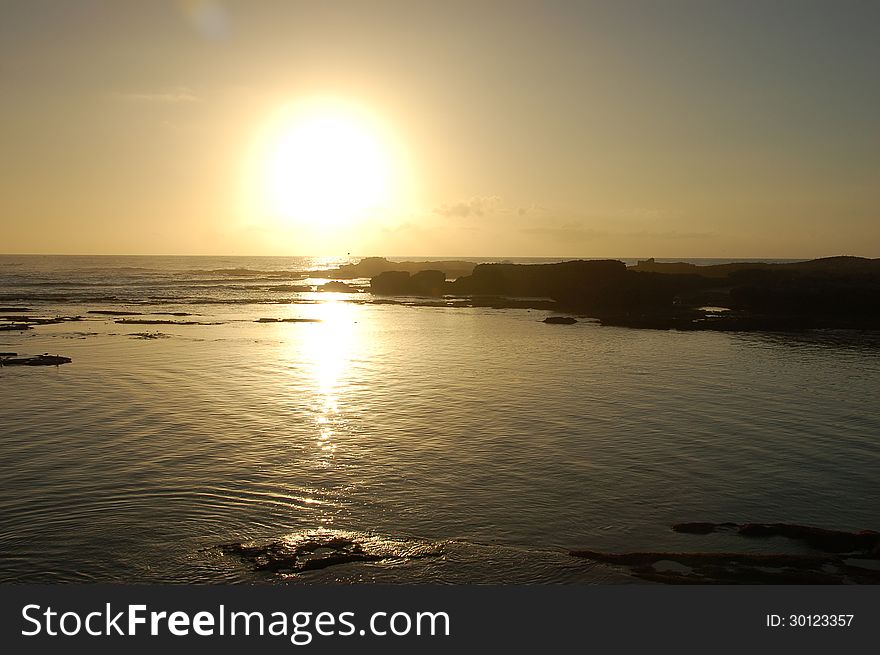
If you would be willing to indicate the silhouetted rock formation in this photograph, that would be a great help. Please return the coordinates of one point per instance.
(288, 320)
(585, 285)
(338, 287)
(820, 295)
(560, 320)
(401, 283)
(373, 266)
(834, 292)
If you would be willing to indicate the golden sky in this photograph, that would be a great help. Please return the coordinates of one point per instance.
(668, 129)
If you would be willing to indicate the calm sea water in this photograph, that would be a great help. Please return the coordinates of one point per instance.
(497, 441)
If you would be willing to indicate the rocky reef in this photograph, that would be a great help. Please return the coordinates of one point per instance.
(834, 557)
(9, 322)
(834, 292)
(162, 321)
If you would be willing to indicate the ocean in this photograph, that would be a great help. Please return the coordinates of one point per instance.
(468, 445)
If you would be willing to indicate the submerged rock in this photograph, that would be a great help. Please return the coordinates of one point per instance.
(310, 555)
(149, 335)
(318, 550)
(560, 320)
(35, 360)
(27, 322)
(288, 320)
(865, 542)
(112, 312)
(835, 559)
(736, 568)
(150, 321)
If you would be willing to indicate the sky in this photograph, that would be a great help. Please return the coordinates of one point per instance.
(502, 128)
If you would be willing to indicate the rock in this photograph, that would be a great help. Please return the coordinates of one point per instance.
(336, 286)
(428, 283)
(288, 320)
(391, 283)
(313, 551)
(149, 321)
(149, 335)
(291, 288)
(27, 322)
(560, 320)
(830, 541)
(35, 360)
(863, 543)
(736, 568)
(401, 283)
(7, 310)
(836, 561)
(112, 312)
(372, 266)
(700, 528)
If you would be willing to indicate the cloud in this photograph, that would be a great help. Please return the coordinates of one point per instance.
(172, 96)
(475, 207)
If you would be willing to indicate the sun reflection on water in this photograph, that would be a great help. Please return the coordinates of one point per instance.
(328, 351)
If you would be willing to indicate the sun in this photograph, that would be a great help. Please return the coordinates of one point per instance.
(326, 164)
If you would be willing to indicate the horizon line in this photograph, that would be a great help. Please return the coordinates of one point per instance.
(446, 257)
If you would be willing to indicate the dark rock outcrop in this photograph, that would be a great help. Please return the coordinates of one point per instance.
(835, 292)
(401, 283)
(314, 551)
(36, 360)
(308, 555)
(736, 568)
(586, 285)
(157, 321)
(560, 320)
(834, 558)
(112, 312)
(26, 322)
(336, 286)
(865, 543)
(373, 266)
